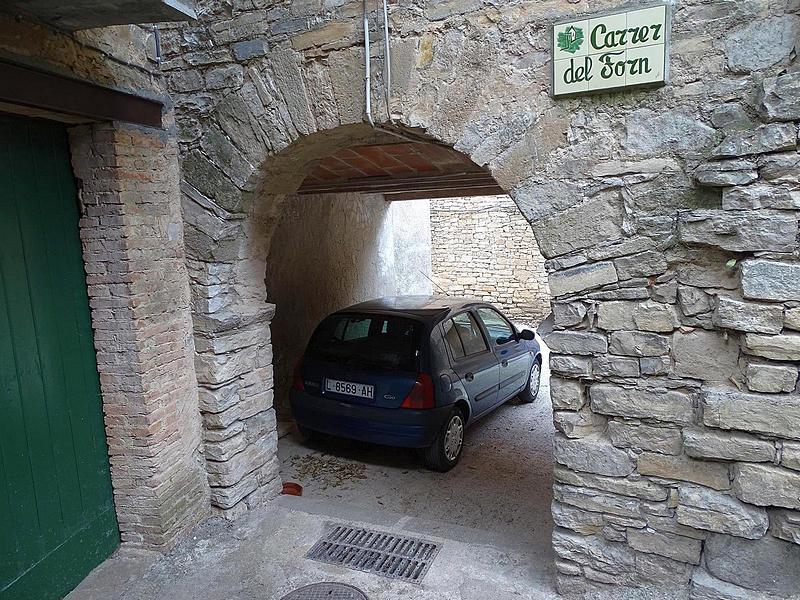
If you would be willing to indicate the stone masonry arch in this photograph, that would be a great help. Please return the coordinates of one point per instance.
(669, 219)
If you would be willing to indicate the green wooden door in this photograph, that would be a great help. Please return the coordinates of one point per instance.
(57, 518)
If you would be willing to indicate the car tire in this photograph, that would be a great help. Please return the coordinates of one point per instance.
(531, 391)
(445, 452)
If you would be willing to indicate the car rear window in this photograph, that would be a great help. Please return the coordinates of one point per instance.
(371, 341)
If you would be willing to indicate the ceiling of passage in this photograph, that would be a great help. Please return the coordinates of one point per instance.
(400, 171)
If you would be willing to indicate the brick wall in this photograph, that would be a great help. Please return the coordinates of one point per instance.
(132, 235)
(484, 247)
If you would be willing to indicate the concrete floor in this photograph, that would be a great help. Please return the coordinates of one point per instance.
(502, 485)
(490, 514)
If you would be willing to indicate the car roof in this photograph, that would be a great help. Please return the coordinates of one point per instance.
(429, 308)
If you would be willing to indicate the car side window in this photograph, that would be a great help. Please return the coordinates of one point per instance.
(453, 339)
(469, 333)
(500, 331)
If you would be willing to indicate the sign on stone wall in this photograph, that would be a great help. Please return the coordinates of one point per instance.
(611, 51)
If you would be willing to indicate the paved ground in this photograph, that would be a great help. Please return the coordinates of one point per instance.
(501, 485)
(490, 515)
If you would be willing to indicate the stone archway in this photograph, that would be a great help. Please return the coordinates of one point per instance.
(670, 222)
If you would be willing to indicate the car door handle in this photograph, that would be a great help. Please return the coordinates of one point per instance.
(504, 363)
(469, 376)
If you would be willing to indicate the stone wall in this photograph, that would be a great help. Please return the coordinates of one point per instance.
(668, 217)
(483, 247)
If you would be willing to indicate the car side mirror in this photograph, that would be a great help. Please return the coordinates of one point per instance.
(527, 334)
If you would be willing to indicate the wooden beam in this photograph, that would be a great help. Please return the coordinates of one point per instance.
(396, 184)
(34, 88)
(493, 190)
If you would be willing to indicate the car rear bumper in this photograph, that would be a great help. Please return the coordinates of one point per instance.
(390, 426)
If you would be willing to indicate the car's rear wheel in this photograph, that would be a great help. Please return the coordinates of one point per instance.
(531, 390)
(445, 451)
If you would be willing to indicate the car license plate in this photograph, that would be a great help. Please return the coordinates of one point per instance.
(349, 388)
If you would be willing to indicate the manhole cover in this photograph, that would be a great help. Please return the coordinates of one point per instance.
(326, 591)
(378, 552)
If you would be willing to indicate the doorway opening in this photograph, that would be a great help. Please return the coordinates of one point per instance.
(413, 218)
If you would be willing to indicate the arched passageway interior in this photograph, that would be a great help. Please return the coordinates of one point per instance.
(359, 226)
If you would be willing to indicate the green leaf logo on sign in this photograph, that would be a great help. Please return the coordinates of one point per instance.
(570, 39)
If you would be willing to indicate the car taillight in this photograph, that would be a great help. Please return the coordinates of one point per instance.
(297, 378)
(421, 394)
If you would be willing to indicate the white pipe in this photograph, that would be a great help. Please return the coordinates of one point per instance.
(367, 74)
(387, 62)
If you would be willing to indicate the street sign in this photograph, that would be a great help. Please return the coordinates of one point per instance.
(613, 51)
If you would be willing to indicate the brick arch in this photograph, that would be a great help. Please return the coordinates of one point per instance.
(669, 219)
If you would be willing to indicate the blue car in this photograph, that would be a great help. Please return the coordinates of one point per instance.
(414, 372)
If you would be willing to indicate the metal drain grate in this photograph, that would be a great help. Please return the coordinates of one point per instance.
(326, 591)
(376, 552)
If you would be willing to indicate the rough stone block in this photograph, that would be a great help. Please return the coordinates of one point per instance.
(616, 315)
(249, 49)
(782, 168)
(593, 454)
(224, 77)
(582, 521)
(711, 444)
(668, 577)
(771, 379)
(636, 488)
(693, 300)
(615, 366)
(683, 468)
(739, 231)
(770, 280)
(760, 43)
(225, 449)
(644, 264)
(606, 502)
(707, 268)
(676, 547)
(773, 137)
(785, 524)
(705, 355)
(643, 403)
(706, 587)
(657, 365)
(761, 195)
(578, 424)
(568, 314)
(576, 342)
(582, 226)
(791, 318)
(665, 440)
(766, 485)
(768, 564)
(703, 508)
(726, 173)
(778, 98)
(567, 394)
(593, 551)
(776, 347)
(638, 343)
(574, 366)
(748, 316)
(655, 316)
(731, 409)
(790, 455)
(584, 277)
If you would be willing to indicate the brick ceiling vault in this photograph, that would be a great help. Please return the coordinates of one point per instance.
(400, 171)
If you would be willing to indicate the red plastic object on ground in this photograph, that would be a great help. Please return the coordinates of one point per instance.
(290, 488)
